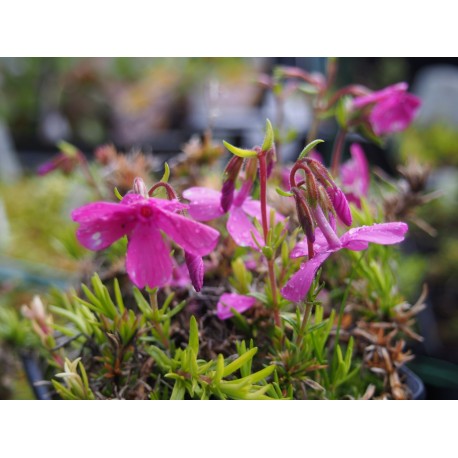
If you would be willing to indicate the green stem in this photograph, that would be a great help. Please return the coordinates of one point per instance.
(265, 229)
(156, 321)
(305, 319)
(342, 308)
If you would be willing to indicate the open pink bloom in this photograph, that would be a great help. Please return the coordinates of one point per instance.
(142, 219)
(355, 175)
(205, 204)
(393, 108)
(229, 301)
(356, 239)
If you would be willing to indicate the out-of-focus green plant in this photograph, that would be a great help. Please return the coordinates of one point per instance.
(436, 144)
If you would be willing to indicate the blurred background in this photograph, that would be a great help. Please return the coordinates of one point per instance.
(157, 105)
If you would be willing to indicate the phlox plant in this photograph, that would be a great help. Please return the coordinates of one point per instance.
(265, 288)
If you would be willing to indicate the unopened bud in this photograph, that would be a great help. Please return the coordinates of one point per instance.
(227, 195)
(304, 215)
(195, 266)
(340, 204)
(231, 173)
(311, 189)
(271, 158)
(320, 172)
(140, 187)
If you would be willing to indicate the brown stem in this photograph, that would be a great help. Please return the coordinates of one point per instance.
(87, 172)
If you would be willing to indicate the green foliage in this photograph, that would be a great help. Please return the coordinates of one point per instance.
(200, 379)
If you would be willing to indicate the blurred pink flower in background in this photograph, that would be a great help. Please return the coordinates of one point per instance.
(392, 108)
(354, 175)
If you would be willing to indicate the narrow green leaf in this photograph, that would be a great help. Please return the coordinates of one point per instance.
(239, 151)
(283, 193)
(309, 148)
(239, 362)
(193, 335)
(117, 193)
(165, 177)
(269, 138)
(118, 295)
(67, 148)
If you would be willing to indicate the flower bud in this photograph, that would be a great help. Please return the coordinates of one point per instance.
(304, 215)
(320, 172)
(140, 187)
(340, 204)
(227, 195)
(195, 266)
(311, 189)
(231, 173)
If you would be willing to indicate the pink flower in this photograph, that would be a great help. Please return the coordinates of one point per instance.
(393, 109)
(355, 176)
(62, 161)
(229, 301)
(205, 204)
(142, 219)
(356, 239)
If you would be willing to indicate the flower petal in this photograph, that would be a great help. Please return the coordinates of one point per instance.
(394, 114)
(384, 234)
(378, 96)
(355, 175)
(234, 301)
(148, 260)
(240, 228)
(253, 208)
(192, 236)
(298, 285)
(102, 223)
(319, 245)
(132, 199)
(205, 204)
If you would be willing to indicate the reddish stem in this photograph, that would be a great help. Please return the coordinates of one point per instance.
(337, 152)
(310, 249)
(171, 194)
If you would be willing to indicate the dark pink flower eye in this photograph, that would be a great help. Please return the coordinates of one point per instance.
(146, 211)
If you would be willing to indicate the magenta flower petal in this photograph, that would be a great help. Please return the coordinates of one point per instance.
(253, 208)
(299, 284)
(383, 234)
(204, 203)
(394, 114)
(319, 245)
(148, 261)
(240, 228)
(234, 301)
(195, 266)
(133, 199)
(355, 175)
(193, 237)
(102, 223)
(378, 96)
